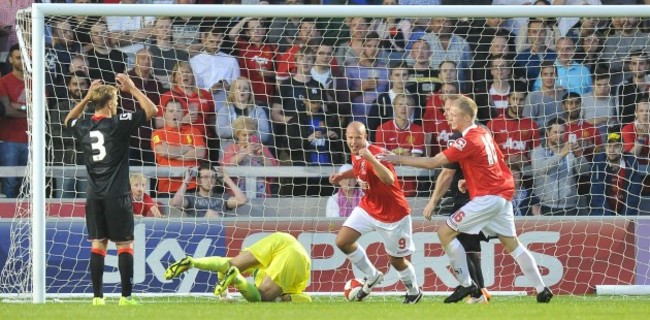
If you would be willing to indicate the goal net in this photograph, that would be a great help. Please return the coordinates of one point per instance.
(265, 93)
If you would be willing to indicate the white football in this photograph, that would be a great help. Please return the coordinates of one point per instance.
(351, 288)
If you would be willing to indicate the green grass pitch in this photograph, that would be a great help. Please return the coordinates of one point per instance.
(431, 307)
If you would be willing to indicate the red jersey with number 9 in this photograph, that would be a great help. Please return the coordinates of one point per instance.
(486, 173)
(384, 202)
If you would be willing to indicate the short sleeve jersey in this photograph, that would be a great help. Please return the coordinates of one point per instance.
(197, 205)
(459, 197)
(105, 145)
(381, 201)
(486, 172)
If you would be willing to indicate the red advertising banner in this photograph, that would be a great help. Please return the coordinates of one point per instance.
(574, 255)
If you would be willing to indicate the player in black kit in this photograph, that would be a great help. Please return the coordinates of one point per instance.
(447, 183)
(105, 142)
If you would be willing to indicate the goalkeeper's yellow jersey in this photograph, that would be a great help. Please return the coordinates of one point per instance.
(284, 260)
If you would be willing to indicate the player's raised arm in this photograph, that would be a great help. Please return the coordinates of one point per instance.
(79, 108)
(385, 175)
(125, 84)
(422, 162)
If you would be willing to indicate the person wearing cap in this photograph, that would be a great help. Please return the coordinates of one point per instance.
(346, 198)
(615, 180)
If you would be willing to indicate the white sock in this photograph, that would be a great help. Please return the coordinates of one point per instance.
(407, 276)
(458, 260)
(361, 261)
(529, 267)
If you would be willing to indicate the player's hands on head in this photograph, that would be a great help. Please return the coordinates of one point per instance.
(93, 86)
(124, 82)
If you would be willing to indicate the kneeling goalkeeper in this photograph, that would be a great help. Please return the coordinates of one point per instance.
(278, 263)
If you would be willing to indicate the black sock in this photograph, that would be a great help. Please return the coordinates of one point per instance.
(126, 272)
(475, 270)
(97, 273)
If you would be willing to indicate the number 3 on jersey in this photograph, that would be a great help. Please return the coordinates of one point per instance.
(490, 149)
(97, 144)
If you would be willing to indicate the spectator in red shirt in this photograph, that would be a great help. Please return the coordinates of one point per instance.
(286, 64)
(143, 204)
(434, 121)
(402, 137)
(636, 135)
(14, 147)
(491, 189)
(515, 134)
(256, 57)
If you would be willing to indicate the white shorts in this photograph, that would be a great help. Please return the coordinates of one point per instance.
(491, 214)
(397, 236)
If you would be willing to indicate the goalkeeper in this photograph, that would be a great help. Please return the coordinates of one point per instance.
(278, 263)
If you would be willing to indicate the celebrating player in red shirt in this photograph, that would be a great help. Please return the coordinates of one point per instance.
(383, 208)
(491, 188)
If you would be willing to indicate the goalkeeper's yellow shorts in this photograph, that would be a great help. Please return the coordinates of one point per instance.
(284, 260)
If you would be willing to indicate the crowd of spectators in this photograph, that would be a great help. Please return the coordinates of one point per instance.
(566, 99)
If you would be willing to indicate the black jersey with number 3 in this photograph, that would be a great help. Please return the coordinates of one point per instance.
(105, 145)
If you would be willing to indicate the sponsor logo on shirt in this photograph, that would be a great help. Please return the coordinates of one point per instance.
(126, 116)
(460, 144)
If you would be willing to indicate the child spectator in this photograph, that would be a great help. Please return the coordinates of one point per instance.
(143, 204)
(345, 199)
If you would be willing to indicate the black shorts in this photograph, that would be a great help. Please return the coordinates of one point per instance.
(110, 219)
(472, 242)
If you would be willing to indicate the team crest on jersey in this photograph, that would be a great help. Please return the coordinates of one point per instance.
(450, 143)
(126, 116)
(460, 144)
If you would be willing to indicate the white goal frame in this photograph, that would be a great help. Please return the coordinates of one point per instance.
(39, 11)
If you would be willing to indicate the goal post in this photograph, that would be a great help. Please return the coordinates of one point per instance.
(32, 223)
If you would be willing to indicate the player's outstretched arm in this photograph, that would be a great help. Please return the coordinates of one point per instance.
(79, 108)
(125, 84)
(422, 162)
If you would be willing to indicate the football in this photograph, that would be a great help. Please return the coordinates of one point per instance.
(351, 288)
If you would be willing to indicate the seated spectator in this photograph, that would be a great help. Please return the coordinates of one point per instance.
(635, 87)
(177, 144)
(209, 200)
(61, 137)
(248, 151)
(345, 199)
(626, 37)
(286, 61)
(591, 49)
(199, 109)
(498, 48)
(532, 58)
(434, 121)
(329, 74)
(515, 135)
(556, 164)
(256, 57)
(104, 62)
(636, 135)
(79, 63)
(448, 73)
(480, 32)
(382, 108)
(577, 129)
(599, 106)
(366, 79)
(393, 32)
(59, 53)
(241, 104)
(402, 137)
(164, 54)
(546, 103)
(615, 181)
(445, 45)
(129, 33)
(349, 53)
(571, 75)
(214, 69)
(143, 203)
(494, 93)
(14, 148)
(142, 76)
(423, 79)
(283, 30)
